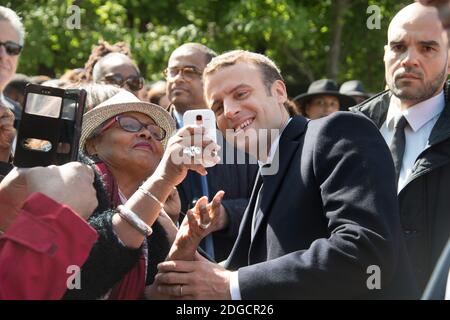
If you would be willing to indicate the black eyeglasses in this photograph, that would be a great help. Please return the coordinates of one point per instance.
(189, 73)
(12, 48)
(131, 124)
(135, 83)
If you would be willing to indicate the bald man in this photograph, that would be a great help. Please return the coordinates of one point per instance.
(413, 116)
(118, 69)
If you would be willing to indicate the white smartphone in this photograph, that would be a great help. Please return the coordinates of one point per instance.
(204, 118)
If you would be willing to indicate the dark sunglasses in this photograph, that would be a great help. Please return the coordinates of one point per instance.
(189, 73)
(131, 124)
(12, 48)
(135, 83)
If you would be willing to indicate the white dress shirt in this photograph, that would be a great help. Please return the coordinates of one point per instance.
(447, 290)
(4, 102)
(235, 291)
(421, 119)
(178, 117)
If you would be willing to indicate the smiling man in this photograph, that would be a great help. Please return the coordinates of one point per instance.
(12, 37)
(316, 227)
(414, 119)
(185, 92)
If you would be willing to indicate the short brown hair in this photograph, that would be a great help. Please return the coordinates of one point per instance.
(269, 70)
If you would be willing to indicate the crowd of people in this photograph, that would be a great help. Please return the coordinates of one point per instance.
(346, 201)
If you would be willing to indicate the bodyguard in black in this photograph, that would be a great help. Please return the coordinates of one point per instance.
(321, 221)
(185, 92)
(416, 62)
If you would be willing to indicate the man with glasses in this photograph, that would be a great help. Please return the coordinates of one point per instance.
(185, 92)
(12, 37)
(117, 69)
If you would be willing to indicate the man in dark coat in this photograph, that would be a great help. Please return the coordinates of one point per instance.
(416, 62)
(185, 92)
(322, 221)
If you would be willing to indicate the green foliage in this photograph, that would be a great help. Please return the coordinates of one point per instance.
(296, 34)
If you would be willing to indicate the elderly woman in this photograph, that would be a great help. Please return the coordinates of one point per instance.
(125, 139)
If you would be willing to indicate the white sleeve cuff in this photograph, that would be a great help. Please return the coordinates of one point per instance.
(447, 291)
(235, 292)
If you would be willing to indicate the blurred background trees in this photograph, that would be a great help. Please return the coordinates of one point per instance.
(309, 40)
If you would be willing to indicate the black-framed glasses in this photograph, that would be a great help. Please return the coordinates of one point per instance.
(135, 82)
(131, 124)
(189, 73)
(12, 48)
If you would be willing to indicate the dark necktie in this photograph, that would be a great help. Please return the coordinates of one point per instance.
(398, 144)
(257, 212)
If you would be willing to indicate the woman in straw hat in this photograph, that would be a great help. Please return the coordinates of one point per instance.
(130, 144)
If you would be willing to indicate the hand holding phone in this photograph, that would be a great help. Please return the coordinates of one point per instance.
(203, 118)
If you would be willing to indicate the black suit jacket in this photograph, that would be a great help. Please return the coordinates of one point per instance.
(329, 213)
(437, 286)
(236, 180)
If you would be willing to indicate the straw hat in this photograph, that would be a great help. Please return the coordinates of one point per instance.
(122, 102)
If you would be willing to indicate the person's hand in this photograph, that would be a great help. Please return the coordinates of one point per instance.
(7, 132)
(200, 279)
(169, 227)
(172, 206)
(222, 220)
(176, 161)
(70, 184)
(13, 193)
(151, 293)
(197, 224)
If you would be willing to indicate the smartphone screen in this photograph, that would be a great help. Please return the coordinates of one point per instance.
(50, 127)
(43, 105)
(203, 118)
